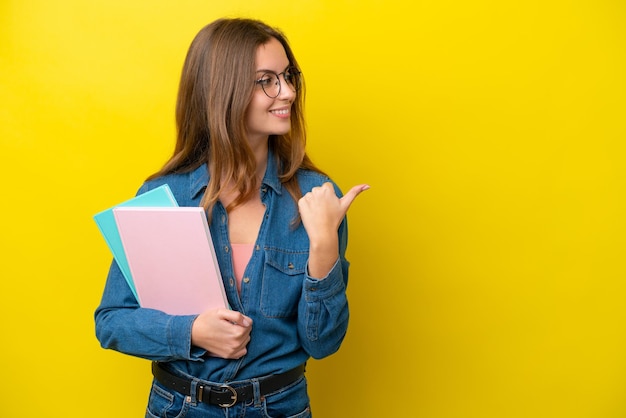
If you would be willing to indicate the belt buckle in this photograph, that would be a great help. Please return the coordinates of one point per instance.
(233, 397)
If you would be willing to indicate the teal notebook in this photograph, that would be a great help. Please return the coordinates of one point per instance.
(160, 197)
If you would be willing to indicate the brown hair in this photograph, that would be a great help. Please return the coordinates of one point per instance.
(215, 90)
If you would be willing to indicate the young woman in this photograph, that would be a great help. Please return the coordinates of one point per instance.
(279, 229)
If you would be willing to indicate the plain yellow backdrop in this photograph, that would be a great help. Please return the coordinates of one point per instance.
(488, 270)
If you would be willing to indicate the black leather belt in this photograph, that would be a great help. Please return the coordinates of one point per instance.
(225, 395)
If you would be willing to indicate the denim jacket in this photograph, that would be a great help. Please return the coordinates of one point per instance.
(294, 315)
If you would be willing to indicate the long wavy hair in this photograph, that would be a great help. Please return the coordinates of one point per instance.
(216, 87)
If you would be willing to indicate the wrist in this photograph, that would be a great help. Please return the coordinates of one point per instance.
(324, 243)
(322, 257)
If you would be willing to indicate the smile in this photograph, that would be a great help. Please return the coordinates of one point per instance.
(280, 112)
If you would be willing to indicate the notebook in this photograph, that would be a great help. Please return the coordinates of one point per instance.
(160, 196)
(171, 258)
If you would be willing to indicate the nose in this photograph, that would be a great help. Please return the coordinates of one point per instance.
(286, 91)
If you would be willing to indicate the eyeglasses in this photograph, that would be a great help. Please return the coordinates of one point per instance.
(270, 81)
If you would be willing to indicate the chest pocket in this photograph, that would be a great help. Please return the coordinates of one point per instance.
(283, 275)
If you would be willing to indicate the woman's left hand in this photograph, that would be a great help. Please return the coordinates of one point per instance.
(322, 212)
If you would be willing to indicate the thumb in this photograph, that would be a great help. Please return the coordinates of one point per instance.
(349, 197)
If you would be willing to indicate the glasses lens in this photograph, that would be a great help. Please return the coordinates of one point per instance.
(292, 77)
(270, 84)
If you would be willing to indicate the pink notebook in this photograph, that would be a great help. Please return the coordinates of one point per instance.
(171, 258)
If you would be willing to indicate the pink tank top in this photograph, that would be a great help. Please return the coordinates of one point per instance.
(241, 256)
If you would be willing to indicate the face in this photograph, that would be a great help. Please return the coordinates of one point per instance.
(270, 116)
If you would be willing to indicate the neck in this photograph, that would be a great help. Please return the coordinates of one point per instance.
(260, 151)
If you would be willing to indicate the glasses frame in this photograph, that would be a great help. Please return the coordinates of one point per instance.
(293, 70)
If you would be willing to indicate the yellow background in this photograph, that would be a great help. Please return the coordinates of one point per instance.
(487, 259)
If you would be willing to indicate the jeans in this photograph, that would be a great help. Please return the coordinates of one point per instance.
(291, 401)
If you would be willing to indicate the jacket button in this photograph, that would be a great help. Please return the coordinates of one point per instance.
(290, 265)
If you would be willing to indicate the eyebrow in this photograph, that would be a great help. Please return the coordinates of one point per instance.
(263, 70)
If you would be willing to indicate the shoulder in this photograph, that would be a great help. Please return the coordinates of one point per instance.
(175, 181)
(185, 186)
(308, 179)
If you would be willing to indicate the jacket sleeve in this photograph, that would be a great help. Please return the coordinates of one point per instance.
(123, 326)
(323, 309)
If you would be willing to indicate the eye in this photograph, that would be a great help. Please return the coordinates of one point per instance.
(266, 80)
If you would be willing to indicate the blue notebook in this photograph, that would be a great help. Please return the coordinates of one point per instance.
(160, 197)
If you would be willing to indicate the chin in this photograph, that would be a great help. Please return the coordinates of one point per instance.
(281, 131)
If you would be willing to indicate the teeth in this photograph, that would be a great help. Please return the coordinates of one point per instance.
(281, 112)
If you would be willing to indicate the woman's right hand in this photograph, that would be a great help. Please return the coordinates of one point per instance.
(222, 332)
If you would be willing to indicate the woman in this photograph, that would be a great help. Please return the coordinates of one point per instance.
(279, 231)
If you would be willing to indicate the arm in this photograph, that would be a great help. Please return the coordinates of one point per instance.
(323, 308)
(123, 326)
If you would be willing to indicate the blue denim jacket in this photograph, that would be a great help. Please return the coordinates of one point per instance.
(294, 316)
